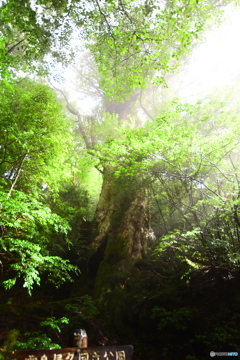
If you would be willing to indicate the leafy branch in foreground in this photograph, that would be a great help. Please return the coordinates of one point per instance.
(36, 138)
(26, 228)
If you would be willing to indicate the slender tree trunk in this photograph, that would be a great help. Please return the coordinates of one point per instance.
(120, 231)
(17, 175)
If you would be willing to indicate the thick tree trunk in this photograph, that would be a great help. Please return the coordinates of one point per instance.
(120, 231)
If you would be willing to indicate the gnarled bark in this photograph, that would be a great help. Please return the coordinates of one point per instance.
(120, 230)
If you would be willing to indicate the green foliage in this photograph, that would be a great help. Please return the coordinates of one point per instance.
(187, 158)
(27, 262)
(83, 307)
(32, 155)
(27, 226)
(71, 203)
(11, 339)
(136, 42)
(107, 128)
(185, 161)
(30, 30)
(36, 340)
(33, 149)
(177, 319)
(131, 41)
(85, 186)
(54, 323)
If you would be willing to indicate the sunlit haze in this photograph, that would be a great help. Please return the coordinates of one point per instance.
(214, 64)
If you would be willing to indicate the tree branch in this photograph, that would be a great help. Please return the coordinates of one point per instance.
(13, 47)
(144, 109)
(17, 176)
(73, 111)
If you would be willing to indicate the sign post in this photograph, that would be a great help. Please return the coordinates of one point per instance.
(124, 352)
(81, 352)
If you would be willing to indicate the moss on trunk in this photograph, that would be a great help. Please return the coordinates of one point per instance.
(121, 226)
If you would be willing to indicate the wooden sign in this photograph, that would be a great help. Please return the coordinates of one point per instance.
(124, 352)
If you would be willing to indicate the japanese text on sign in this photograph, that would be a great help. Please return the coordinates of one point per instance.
(108, 355)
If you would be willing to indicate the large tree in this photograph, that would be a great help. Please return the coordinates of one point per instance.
(128, 53)
(120, 226)
(132, 43)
